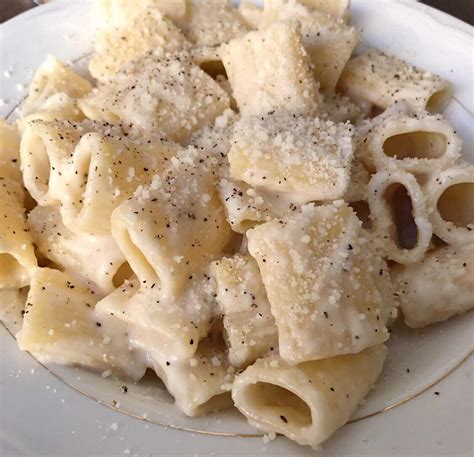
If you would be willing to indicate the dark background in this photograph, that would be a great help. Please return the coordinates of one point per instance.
(463, 9)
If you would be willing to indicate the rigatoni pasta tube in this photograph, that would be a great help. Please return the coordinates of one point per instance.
(310, 401)
(199, 384)
(415, 142)
(113, 168)
(322, 295)
(441, 285)
(172, 230)
(94, 257)
(59, 326)
(175, 325)
(450, 196)
(51, 77)
(46, 151)
(399, 214)
(249, 326)
(380, 79)
(270, 70)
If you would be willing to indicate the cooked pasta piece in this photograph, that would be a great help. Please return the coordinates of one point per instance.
(251, 14)
(9, 152)
(94, 257)
(12, 308)
(173, 230)
(51, 77)
(199, 384)
(306, 158)
(310, 401)
(46, 151)
(119, 13)
(171, 98)
(59, 327)
(246, 206)
(328, 41)
(148, 32)
(315, 269)
(17, 257)
(450, 196)
(212, 22)
(175, 325)
(417, 142)
(399, 214)
(208, 58)
(441, 285)
(336, 8)
(380, 79)
(57, 107)
(270, 70)
(104, 172)
(248, 322)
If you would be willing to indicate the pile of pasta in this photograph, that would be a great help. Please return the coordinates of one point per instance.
(238, 203)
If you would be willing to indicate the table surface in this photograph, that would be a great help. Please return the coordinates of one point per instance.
(462, 9)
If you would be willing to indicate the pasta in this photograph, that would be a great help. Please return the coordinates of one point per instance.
(12, 304)
(175, 325)
(378, 79)
(310, 401)
(399, 213)
(276, 74)
(113, 168)
(248, 322)
(153, 95)
(425, 300)
(9, 152)
(119, 13)
(296, 155)
(450, 196)
(17, 258)
(148, 32)
(234, 201)
(175, 228)
(211, 22)
(200, 384)
(97, 258)
(59, 326)
(46, 150)
(328, 41)
(415, 142)
(313, 259)
(52, 77)
(57, 107)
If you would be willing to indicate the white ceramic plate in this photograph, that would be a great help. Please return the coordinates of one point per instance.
(40, 414)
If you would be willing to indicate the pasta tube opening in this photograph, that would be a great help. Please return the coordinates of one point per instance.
(456, 204)
(399, 214)
(123, 273)
(404, 229)
(214, 404)
(278, 404)
(138, 260)
(416, 145)
(450, 196)
(439, 100)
